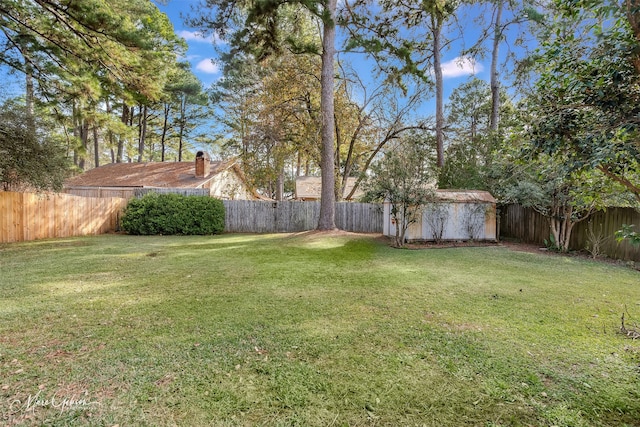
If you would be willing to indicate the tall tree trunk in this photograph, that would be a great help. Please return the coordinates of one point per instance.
(29, 95)
(336, 191)
(125, 119)
(75, 132)
(183, 112)
(81, 132)
(280, 185)
(143, 131)
(96, 147)
(29, 87)
(348, 163)
(495, 82)
(437, 22)
(109, 132)
(327, 200)
(83, 128)
(76, 137)
(165, 127)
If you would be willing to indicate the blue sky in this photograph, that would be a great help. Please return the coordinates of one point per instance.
(201, 52)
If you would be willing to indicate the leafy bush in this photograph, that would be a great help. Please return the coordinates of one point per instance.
(32, 155)
(628, 233)
(173, 214)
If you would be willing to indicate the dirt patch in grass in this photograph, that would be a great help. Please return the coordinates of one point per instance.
(528, 247)
(165, 381)
(537, 249)
(513, 246)
(314, 234)
(446, 245)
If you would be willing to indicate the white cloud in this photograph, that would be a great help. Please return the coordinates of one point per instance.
(195, 36)
(461, 66)
(207, 66)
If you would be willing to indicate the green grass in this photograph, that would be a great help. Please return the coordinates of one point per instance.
(278, 330)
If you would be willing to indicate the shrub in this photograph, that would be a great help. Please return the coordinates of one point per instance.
(173, 214)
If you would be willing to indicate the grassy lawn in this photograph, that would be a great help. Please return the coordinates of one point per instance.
(278, 330)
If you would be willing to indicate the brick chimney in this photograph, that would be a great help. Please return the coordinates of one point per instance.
(203, 164)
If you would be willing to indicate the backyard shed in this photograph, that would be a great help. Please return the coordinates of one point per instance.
(453, 215)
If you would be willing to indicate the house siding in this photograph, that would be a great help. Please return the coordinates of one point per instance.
(227, 185)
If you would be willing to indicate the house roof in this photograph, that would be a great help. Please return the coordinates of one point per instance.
(310, 187)
(150, 174)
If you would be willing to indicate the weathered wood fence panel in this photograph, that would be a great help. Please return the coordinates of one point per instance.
(523, 224)
(251, 216)
(27, 216)
(139, 192)
(128, 193)
(527, 225)
(360, 217)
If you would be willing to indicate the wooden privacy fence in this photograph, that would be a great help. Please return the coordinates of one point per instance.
(27, 216)
(529, 226)
(251, 216)
(130, 192)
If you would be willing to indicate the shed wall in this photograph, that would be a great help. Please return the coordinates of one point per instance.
(449, 221)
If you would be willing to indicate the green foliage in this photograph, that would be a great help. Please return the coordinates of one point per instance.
(462, 169)
(30, 155)
(472, 147)
(399, 36)
(186, 106)
(586, 97)
(628, 233)
(262, 29)
(270, 114)
(174, 214)
(124, 45)
(549, 182)
(95, 62)
(551, 244)
(404, 178)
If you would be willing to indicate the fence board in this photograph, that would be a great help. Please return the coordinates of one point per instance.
(129, 193)
(25, 216)
(254, 216)
(139, 192)
(529, 226)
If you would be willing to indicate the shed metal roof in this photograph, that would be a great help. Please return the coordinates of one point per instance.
(465, 196)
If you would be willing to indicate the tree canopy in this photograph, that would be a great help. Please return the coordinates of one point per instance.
(31, 153)
(124, 45)
(587, 94)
